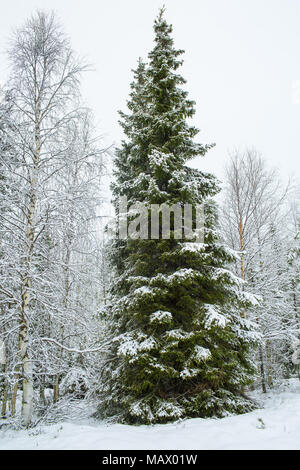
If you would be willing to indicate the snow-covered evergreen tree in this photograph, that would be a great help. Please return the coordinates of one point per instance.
(179, 346)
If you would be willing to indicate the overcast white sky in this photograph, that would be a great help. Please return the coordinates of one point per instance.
(241, 62)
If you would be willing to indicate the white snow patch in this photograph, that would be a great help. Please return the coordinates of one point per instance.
(131, 346)
(193, 247)
(178, 334)
(281, 430)
(160, 316)
(214, 316)
(189, 373)
(201, 354)
(253, 299)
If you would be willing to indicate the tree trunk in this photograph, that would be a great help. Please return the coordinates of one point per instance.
(269, 366)
(262, 370)
(27, 382)
(241, 230)
(4, 392)
(14, 398)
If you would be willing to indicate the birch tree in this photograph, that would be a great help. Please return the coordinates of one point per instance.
(44, 91)
(252, 221)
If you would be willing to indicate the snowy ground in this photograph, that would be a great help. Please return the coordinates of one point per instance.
(276, 426)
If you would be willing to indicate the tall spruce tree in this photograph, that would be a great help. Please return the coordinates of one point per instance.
(179, 347)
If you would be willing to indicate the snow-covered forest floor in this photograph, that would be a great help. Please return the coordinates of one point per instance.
(275, 426)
